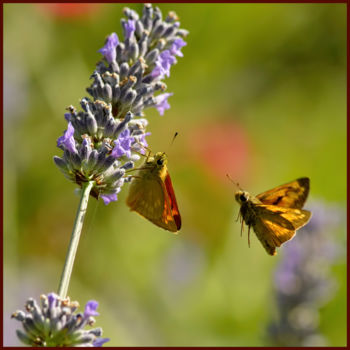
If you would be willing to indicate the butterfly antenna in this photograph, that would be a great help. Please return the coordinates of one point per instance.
(175, 135)
(235, 183)
(249, 236)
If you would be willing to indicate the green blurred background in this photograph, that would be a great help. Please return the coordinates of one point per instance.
(260, 94)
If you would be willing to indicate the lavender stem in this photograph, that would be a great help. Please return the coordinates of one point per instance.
(74, 241)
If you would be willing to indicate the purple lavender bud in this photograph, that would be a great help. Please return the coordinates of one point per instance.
(139, 28)
(170, 31)
(129, 97)
(136, 67)
(158, 31)
(91, 124)
(67, 140)
(133, 51)
(122, 125)
(171, 17)
(124, 70)
(161, 102)
(143, 44)
(107, 198)
(152, 56)
(90, 309)
(131, 14)
(110, 127)
(107, 93)
(108, 51)
(128, 165)
(116, 93)
(120, 53)
(62, 165)
(182, 32)
(99, 342)
(147, 15)
(128, 27)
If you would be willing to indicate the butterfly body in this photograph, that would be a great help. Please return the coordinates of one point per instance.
(151, 194)
(276, 214)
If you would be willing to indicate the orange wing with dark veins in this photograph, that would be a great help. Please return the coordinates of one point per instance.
(289, 195)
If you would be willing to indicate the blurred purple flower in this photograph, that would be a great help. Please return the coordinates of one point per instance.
(109, 50)
(67, 140)
(302, 279)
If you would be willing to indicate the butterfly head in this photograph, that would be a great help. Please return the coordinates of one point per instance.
(160, 160)
(242, 197)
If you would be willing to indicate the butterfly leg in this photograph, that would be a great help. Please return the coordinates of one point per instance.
(242, 227)
(249, 236)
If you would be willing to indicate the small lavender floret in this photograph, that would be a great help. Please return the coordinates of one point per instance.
(108, 51)
(161, 102)
(55, 323)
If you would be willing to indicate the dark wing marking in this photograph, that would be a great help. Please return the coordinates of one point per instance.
(290, 195)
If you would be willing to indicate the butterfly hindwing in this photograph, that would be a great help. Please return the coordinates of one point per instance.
(172, 201)
(276, 225)
(149, 198)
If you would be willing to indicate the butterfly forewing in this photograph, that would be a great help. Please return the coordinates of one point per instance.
(289, 195)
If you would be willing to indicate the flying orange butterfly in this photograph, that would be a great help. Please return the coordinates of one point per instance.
(276, 214)
(151, 194)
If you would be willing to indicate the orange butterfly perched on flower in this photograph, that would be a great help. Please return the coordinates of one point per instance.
(151, 194)
(276, 214)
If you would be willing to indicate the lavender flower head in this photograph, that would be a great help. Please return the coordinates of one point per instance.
(55, 323)
(302, 279)
(104, 139)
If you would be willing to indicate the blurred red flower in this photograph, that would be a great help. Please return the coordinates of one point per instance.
(223, 148)
(69, 10)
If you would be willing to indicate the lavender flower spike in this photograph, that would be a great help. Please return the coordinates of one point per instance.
(55, 323)
(106, 136)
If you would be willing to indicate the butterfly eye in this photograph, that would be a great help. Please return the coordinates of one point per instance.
(160, 161)
(243, 198)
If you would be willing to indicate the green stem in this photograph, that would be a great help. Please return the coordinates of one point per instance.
(74, 241)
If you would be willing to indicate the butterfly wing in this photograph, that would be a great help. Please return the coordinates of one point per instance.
(276, 225)
(148, 197)
(289, 195)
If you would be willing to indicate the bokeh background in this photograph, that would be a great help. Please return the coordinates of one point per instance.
(260, 94)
